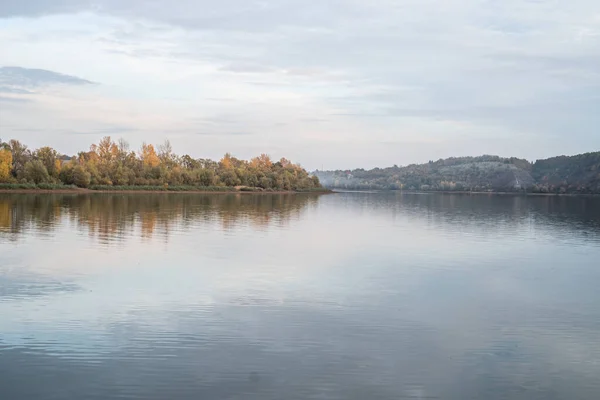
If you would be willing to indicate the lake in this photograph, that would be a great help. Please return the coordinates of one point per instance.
(341, 296)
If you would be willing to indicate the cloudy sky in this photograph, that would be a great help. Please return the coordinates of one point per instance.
(333, 83)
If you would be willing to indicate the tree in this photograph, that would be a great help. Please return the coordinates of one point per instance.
(81, 177)
(165, 154)
(262, 162)
(315, 181)
(148, 156)
(5, 164)
(49, 157)
(285, 163)
(265, 183)
(188, 162)
(123, 149)
(206, 177)
(20, 155)
(36, 172)
(66, 173)
(226, 161)
(230, 178)
(107, 150)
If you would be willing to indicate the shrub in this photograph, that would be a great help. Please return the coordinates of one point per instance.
(81, 177)
(36, 172)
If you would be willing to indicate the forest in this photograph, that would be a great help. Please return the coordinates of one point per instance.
(575, 174)
(569, 174)
(113, 165)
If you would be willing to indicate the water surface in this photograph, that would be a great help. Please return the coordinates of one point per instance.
(344, 296)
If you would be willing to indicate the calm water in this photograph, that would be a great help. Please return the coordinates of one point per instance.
(345, 296)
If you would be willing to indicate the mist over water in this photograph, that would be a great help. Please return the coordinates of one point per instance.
(342, 296)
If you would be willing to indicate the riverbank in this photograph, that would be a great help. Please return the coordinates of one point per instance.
(33, 189)
(509, 193)
(463, 192)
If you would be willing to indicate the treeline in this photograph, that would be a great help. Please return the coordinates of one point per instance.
(577, 174)
(574, 174)
(113, 164)
(453, 174)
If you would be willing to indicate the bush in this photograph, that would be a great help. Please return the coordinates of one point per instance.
(36, 172)
(33, 186)
(265, 183)
(81, 177)
(13, 186)
(66, 174)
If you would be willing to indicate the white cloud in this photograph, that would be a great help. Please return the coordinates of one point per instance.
(356, 83)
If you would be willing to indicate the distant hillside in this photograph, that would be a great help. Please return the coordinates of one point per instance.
(578, 174)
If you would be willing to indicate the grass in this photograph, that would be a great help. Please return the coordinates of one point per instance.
(33, 186)
(148, 188)
(164, 188)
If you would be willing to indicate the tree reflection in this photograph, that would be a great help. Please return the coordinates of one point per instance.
(114, 216)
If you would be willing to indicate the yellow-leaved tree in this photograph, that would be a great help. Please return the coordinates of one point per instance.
(262, 162)
(6, 160)
(149, 156)
(226, 161)
(107, 150)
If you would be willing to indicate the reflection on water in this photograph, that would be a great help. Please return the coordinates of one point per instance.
(109, 216)
(345, 296)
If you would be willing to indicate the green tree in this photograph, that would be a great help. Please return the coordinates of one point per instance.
(49, 157)
(36, 172)
(81, 177)
(230, 178)
(20, 155)
(265, 183)
(165, 154)
(189, 163)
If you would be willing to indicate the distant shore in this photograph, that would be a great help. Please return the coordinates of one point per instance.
(468, 192)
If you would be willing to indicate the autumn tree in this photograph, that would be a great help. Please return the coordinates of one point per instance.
(149, 156)
(262, 162)
(107, 151)
(6, 161)
(285, 163)
(226, 162)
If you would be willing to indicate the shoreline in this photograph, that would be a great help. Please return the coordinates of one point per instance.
(278, 192)
(144, 191)
(463, 192)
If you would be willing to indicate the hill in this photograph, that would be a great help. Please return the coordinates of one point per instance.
(577, 174)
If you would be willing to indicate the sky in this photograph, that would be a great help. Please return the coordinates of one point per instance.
(329, 84)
